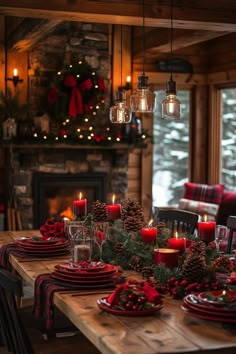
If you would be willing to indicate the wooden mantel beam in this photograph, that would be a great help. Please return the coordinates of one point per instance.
(187, 14)
(29, 32)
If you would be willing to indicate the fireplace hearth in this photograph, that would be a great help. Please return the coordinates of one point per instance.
(53, 193)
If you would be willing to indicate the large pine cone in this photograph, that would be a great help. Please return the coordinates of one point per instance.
(222, 264)
(193, 268)
(132, 223)
(132, 208)
(119, 248)
(198, 247)
(99, 211)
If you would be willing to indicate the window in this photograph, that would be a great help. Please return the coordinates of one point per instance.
(170, 153)
(228, 140)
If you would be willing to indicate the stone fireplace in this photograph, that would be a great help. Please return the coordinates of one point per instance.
(53, 193)
(36, 175)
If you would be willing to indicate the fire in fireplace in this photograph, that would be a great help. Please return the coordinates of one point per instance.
(53, 193)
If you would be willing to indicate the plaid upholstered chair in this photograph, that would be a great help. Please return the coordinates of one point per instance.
(231, 224)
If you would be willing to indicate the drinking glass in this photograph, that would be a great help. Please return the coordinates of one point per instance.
(79, 235)
(220, 235)
(101, 230)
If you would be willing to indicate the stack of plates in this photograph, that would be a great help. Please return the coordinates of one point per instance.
(218, 305)
(38, 247)
(97, 275)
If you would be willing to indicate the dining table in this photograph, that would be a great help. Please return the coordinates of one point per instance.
(169, 330)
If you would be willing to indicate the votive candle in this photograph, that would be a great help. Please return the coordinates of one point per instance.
(149, 233)
(168, 257)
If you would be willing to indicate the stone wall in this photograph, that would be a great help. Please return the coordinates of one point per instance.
(26, 161)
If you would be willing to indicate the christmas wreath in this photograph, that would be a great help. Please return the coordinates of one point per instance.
(77, 91)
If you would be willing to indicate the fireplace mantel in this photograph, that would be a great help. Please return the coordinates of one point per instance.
(78, 147)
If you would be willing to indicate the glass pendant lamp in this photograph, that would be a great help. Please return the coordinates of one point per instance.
(143, 100)
(171, 104)
(120, 113)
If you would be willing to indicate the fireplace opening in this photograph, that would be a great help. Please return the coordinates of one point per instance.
(53, 193)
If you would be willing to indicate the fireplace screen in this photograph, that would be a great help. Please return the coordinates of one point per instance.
(53, 193)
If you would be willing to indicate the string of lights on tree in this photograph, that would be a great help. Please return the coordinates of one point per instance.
(74, 103)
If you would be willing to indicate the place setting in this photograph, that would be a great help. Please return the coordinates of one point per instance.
(215, 305)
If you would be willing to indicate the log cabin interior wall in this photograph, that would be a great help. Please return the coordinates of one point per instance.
(204, 35)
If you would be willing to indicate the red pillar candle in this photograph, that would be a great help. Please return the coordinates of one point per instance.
(113, 210)
(80, 207)
(166, 256)
(149, 233)
(177, 243)
(206, 230)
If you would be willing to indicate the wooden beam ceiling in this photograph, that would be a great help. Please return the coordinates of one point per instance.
(218, 15)
(29, 32)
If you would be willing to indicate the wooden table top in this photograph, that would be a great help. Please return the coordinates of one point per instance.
(167, 331)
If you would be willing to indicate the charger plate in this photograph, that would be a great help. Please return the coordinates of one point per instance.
(103, 305)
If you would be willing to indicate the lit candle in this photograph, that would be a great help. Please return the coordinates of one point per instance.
(113, 210)
(80, 206)
(15, 72)
(206, 230)
(177, 243)
(166, 256)
(149, 233)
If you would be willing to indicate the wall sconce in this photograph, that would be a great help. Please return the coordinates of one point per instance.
(127, 86)
(15, 78)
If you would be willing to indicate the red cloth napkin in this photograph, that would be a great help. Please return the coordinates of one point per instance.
(52, 229)
(5, 251)
(151, 294)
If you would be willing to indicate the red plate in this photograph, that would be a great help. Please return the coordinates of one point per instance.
(103, 305)
(208, 309)
(40, 240)
(96, 276)
(92, 285)
(44, 252)
(214, 297)
(59, 276)
(205, 316)
(83, 267)
(41, 248)
(42, 244)
(108, 269)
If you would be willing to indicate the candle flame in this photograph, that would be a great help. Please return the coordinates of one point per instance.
(176, 234)
(15, 72)
(128, 78)
(113, 199)
(205, 218)
(80, 196)
(150, 222)
(223, 292)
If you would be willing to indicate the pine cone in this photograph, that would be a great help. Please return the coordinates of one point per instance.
(198, 247)
(99, 211)
(222, 264)
(147, 272)
(193, 268)
(132, 223)
(135, 263)
(119, 248)
(130, 207)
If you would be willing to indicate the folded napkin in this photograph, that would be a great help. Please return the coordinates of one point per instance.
(44, 289)
(150, 294)
(52, 229)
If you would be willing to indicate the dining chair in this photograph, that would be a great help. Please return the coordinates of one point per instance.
(18, 330)
(177, 220)
(231, 225)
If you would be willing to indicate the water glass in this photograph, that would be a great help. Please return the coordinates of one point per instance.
(80, 240)
(220, 235)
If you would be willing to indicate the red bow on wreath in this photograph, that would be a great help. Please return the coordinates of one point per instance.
(76, 100)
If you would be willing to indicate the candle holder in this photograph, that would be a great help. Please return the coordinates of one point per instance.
(166, 256)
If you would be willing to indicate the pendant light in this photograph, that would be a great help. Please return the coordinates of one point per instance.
(171, 104)
(143, 100)
(120, 112)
